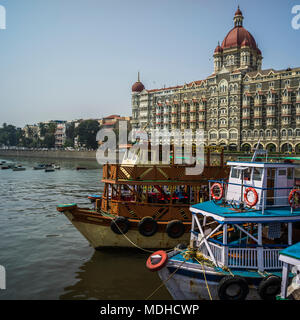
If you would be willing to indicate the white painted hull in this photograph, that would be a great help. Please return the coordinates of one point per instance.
(100, 236)
(183, 287)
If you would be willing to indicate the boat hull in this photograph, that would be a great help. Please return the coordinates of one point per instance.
(194, 280)
(182, 287)
(96, 229)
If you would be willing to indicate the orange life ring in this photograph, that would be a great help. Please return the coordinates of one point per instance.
(254, 202)
(156, 266)
(291, 198)
(220, 196)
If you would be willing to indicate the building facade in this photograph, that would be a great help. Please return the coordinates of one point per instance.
(237, 106)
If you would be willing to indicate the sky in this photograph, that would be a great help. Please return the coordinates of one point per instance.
(77, 59)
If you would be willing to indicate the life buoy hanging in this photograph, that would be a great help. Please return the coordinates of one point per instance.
(157, 260)
(214, 195)
(255, 195)
(294, 198)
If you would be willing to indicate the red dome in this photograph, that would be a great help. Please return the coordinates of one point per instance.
(238, 12)
(218, 49)
(236, 36)
(138, 87)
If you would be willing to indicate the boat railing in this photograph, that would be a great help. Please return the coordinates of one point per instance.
(265, 200)
(243, 258)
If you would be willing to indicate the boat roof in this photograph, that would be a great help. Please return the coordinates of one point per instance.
(262, 164)
(292, 251)
(229, 215)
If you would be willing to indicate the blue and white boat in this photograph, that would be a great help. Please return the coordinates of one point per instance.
(236, 237)
(290, 258)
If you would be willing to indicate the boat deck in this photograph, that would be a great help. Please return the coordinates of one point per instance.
(238, 272)
(221, 213)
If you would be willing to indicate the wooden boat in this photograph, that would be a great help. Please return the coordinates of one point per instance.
(145, 206)
(236, 237)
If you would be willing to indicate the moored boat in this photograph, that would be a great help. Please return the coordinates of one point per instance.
(19, 168)
(236, 237)
(39, 167)
(146, 206)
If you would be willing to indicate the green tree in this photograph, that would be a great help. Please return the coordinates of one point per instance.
(86, 132)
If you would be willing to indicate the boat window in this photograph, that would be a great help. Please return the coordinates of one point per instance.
(290, 173)
(257, 174)
(235, 173)
(247, 174)
(282, 172)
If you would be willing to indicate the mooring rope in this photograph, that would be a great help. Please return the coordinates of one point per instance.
(164, 282)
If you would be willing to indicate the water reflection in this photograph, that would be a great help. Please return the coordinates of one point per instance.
(113, 275)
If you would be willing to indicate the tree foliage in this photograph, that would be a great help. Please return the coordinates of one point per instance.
(86, 132)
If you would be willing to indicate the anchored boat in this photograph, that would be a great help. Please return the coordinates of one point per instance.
(236, 236)
(146, 206)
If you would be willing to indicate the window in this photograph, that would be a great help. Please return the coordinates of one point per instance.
(282, 172)
(257, 174)
(247, 174)
(235, 173)
(290, 173)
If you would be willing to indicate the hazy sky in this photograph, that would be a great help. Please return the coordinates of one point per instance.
(70, 59)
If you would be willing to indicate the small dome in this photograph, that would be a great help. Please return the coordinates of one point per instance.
(218, 49)
(138, 87)
(238, 12)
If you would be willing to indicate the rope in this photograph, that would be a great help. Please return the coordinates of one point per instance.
(206, 283)
(164, 282)
(134, 244)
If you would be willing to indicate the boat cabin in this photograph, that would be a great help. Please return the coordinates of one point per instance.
(250, 217)
(260, 184)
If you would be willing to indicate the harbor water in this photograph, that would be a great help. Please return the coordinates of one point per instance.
(45, 257)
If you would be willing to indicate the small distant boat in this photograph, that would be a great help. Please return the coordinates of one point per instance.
(49, 169)
(81, 168)
(19, 168)
(5, 167)
(56, 167)
(39, 167)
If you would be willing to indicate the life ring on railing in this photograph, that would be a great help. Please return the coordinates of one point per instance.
(254, 202)
(157, 260)
(240, 283)
(269, 287)
(294, 202)
(175, 229)
(120, 225)
(221, 191)
(147, 226)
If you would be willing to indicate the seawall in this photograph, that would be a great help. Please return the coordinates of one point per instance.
(59, 154)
